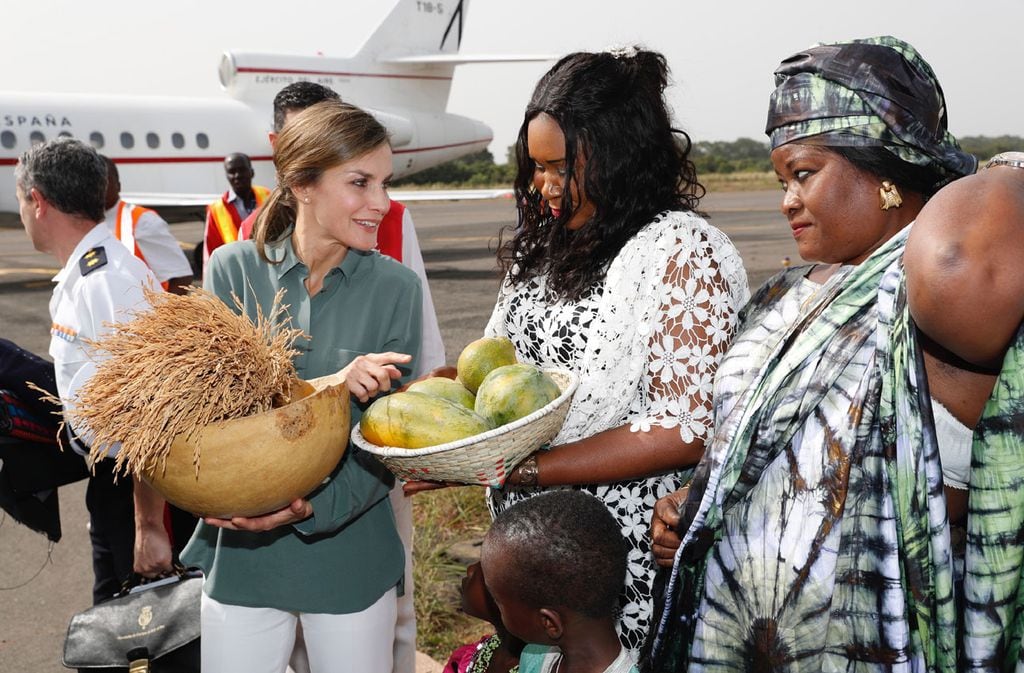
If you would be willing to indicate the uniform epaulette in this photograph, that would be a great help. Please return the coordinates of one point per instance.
(92, 260)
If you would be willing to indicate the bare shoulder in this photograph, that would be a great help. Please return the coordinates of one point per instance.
(962, 261)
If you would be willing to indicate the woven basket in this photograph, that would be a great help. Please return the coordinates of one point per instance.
(484, 459)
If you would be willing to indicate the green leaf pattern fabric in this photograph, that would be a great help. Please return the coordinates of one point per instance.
(819, 540)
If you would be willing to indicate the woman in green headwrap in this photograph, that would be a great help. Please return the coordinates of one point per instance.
(866, 401)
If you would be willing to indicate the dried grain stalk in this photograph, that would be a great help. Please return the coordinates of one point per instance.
(174, 368)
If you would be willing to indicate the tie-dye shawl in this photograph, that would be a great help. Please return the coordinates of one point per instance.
(830, 456)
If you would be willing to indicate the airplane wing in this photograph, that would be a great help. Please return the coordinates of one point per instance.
(169, 199)
(449, 194)
(460, 59)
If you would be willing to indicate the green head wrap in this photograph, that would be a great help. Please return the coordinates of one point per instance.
(875, 92)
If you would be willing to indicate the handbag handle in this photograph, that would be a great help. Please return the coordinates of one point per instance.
(135, 579)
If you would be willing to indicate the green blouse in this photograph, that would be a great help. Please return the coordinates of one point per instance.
(348, 554)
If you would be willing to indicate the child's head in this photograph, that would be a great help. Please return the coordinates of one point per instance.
(553, 557)
(476, 600)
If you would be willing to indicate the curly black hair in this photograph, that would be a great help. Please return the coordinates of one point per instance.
(612, 110)
(569, 552)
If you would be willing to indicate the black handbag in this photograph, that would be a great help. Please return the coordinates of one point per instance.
(156, 623)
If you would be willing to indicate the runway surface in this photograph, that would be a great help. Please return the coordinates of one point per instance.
(39, 591)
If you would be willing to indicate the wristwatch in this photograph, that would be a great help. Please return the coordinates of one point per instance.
(1011, 159)
(528, 471)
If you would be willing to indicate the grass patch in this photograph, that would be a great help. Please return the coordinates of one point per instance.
(738, 182)
(443, 518)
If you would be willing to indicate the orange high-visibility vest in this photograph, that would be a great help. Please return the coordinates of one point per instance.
(226, 218)
(125, 221)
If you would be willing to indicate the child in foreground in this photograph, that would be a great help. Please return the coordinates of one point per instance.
(496, 653)
(555, 565)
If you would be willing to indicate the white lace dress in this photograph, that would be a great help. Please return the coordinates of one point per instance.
(645, 342)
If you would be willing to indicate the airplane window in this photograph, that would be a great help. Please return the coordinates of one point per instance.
(8, 139)
(153, 140)
(37, 138)
(64, 134)
(127, 140)
(96, 139)
(202, 140)
(177, 140)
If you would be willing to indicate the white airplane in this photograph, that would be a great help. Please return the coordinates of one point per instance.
(170, 150)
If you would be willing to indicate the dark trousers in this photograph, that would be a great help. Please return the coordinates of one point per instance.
(111, 530)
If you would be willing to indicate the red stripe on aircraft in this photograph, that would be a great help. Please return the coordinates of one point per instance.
(289, 71)
(212, 159)
(441, 147)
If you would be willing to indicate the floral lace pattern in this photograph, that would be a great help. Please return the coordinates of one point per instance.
(645, 343)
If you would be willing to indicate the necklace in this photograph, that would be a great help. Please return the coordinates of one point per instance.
(484, 653)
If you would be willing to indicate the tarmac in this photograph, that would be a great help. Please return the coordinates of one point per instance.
(42, 586)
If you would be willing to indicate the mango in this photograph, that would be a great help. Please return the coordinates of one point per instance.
(508, 393)
(448, 389)
(414, 420)
(482, 356)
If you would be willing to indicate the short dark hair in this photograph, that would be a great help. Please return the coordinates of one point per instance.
(611, 108)
(69, 174)
(568, 551)
(299, 96)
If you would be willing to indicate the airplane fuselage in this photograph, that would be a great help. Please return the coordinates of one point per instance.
(170, 150)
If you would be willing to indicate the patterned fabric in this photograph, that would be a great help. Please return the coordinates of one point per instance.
(819, 541)
(645, 343)
(872, 92)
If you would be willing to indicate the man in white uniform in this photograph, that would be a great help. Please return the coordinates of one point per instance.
(60, 187)
(146, 235)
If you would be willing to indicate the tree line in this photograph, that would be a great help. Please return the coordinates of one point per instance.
(743, 155)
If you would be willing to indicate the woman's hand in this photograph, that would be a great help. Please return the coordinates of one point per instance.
(410, 488)
(297, 511)
(370, 374)
(664, 536)
(152, 556)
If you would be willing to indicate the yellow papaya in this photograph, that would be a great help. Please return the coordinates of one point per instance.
(481, 356)
(450, 390)
(508, 393)
(413, 420)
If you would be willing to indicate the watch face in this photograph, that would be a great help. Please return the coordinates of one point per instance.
(1013, 159)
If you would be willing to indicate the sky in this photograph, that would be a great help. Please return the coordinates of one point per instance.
(721, 53)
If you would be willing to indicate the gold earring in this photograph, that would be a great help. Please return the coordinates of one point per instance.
(890, 195)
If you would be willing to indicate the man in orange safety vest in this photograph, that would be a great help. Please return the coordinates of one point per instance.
(224, 216)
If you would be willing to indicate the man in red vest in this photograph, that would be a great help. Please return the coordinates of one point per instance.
(396, 238)
(147, 235)
(224, 216)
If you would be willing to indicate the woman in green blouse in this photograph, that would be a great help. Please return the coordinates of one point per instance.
(333, 559)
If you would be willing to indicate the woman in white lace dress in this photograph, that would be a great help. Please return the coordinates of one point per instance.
(613, 273)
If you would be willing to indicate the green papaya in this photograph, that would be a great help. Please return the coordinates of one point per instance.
(482, 356)
(413, 420)
(453, 391)
(508, 393)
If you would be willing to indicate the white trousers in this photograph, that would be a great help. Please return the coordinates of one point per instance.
(239, 639)
(405, 628)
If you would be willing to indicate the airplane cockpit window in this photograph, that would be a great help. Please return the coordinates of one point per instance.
(96, 140)
(8, 139)
(127, 140)
(37, 138)
(202, 140)
(153, 140)
(177, 140)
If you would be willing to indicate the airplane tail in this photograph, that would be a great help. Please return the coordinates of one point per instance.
(387, 70)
